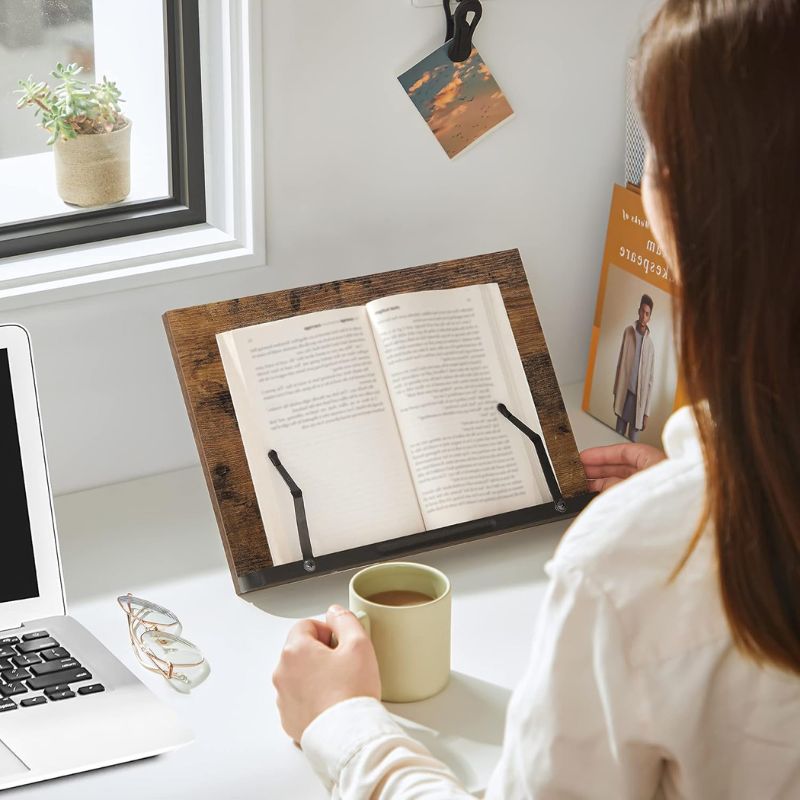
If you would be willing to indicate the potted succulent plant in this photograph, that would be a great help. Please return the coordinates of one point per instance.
(90, 135)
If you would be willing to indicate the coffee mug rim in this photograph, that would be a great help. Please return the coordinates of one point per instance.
(404, 564)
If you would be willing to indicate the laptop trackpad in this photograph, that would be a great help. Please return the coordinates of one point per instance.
(9, 763)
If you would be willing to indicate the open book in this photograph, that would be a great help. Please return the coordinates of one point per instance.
(385, 415)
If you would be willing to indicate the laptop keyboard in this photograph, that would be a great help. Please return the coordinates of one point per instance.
(38, 663)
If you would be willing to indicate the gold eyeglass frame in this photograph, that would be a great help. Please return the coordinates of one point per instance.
(166, 668)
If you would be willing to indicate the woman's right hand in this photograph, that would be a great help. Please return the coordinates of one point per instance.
(605, 466)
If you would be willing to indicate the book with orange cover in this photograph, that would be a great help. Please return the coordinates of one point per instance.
(632, 381)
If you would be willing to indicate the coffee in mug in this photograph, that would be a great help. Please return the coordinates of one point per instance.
(399, 597)
(405, 607)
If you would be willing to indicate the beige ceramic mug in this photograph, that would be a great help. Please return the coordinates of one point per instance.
(412, 642)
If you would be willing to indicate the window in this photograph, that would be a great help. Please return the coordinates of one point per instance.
(150, 50)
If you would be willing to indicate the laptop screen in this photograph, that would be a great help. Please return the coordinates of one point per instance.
(19, 576)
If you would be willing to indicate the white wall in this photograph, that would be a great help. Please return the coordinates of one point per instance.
(356, 184)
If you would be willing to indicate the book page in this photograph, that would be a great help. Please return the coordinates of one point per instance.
(449, 357)
(311, 388)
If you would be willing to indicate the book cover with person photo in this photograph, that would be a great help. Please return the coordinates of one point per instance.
(632, 378)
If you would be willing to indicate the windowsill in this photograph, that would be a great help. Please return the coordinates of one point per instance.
(29, 184)
(122, 264)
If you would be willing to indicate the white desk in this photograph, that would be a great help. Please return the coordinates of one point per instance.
(157, 537)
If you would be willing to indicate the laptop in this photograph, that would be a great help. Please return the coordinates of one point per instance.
(66, 703)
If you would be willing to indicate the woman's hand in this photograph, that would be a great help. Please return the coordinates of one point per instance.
(605, 466)
(312, 676)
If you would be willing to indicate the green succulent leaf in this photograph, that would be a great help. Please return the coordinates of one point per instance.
(74, 107)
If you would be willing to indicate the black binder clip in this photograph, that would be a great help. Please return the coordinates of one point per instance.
(549, 476)
(459, 32)
(309, 563)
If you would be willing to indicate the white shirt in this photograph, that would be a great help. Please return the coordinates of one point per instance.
(634, 688)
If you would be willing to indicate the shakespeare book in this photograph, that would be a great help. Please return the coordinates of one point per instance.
(632, 378)
(385, 415)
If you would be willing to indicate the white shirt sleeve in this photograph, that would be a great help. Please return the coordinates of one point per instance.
(361, 753)
(577, 724)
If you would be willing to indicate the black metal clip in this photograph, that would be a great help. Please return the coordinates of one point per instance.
(309, 564)
(459, 30)
(547, 468)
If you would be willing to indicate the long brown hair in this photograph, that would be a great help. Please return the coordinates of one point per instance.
(719, 93)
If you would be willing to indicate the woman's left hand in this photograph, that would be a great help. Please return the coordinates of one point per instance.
(605, 466)
(312, 676)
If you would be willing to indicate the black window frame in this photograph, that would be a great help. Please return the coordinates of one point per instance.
(187, 203)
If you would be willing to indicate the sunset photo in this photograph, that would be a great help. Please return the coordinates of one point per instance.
(461, 102)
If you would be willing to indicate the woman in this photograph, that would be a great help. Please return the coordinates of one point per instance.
(667, 655)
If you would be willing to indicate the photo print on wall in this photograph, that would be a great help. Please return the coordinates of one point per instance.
(460, 101)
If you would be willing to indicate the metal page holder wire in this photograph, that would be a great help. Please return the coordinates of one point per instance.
(310, 562)
(541, 452)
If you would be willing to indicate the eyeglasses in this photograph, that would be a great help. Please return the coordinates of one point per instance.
(155, 637)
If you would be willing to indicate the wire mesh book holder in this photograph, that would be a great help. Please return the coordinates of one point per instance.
(192, 337)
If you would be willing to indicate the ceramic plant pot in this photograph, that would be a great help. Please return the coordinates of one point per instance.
(94, 169)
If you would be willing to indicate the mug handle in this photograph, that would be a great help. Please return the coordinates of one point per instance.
(363, 618)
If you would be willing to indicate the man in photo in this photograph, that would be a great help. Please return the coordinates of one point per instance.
(633, 384)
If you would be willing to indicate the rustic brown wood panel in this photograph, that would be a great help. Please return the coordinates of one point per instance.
(192, 331)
